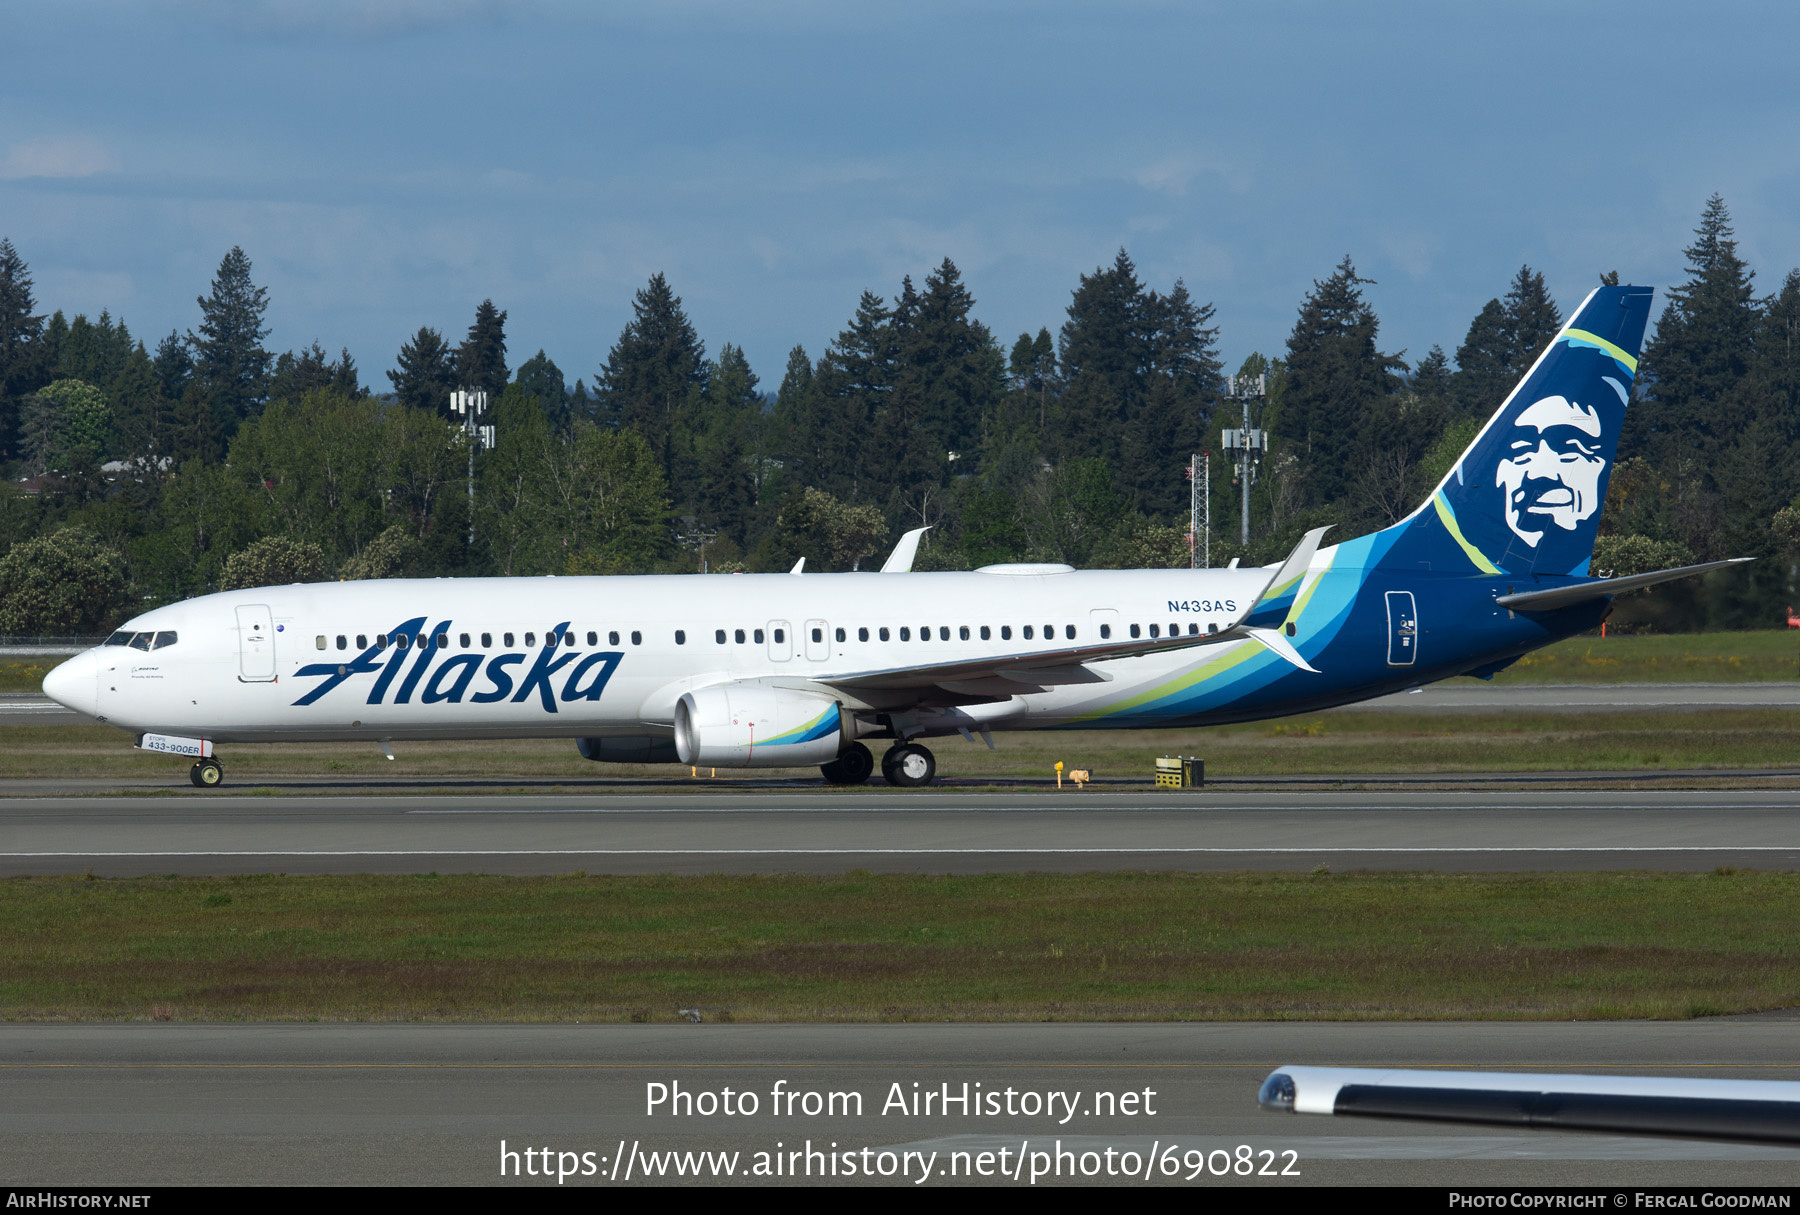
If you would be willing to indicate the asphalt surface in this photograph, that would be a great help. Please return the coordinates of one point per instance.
(153, 1104)
(914, 832)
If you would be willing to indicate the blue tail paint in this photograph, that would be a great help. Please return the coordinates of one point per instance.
(1525, 498)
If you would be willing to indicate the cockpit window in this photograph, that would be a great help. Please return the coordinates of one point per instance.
(141, 641)
(123, 638)
(165, 639)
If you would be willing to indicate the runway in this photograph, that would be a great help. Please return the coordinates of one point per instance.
(150, 1104)
(915, 832)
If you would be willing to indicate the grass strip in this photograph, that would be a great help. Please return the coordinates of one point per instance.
(1764, 656)
(865, 947)
(1346, 742)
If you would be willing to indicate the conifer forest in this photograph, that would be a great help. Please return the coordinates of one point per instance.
(143, 469)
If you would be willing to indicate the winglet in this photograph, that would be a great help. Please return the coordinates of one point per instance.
(900, 561)
(1272, 606)
(799, 566)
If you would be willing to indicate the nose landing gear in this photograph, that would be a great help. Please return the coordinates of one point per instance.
(207, 773)
(908, 765)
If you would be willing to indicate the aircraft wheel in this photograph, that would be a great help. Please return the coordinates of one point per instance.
(207, 773)
(852, 766)
(909, 766)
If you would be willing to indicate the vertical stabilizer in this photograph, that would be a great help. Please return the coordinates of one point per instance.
(1525, 497)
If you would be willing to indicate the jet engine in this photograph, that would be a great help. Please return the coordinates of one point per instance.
(750, 725)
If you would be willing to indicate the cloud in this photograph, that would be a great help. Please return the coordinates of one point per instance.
(66, 156)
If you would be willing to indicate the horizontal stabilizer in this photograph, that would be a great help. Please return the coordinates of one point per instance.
(900, 561)
(1273, 641)
(1581, 592)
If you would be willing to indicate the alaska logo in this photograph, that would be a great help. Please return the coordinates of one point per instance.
(407, 665)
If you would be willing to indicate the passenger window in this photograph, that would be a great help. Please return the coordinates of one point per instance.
(862, 634)
(1069, 631)
(963, 632)
(362, 641)
(1006, 632)
(1174, 628)
(1154, 631)
(593, 637)
(530, 640)
(381, 641)
(944, 632)
(840, 634)
(569, 637)
(637, 638)
(780, 636)
(343, 642)
(738, 636)
(462, 641)
(884, 634)
(818, 635)
(487, 641)
(719, 636)
(1193, 630)
(680, 637)
(757, 636)
(905, 634)
(1105, 632)
(986, 633)
(443, 641)
(1049, 632)
(401, 640)
(1025, 632)
(321, 642)
(165, 640)
(507, 640)
(1135, 631)
(612, 638)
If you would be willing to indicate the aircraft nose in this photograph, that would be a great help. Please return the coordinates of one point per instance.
(76, 684)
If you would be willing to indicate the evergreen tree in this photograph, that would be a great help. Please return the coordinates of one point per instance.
(1185, 379)
(654, 370)
(1703, 344)
(1532, 321)
(1105, 349)
(725, 491)
(542, 379)
(481, 359)
(23, 366)
(229, 359)
(143, 417)
(1336, 410)
(297, 375)
(426, 373)
(1484, 362)
(174, 365)
(94, 351)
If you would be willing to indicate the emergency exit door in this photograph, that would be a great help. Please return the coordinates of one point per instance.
(256, 644)
(1403, 629)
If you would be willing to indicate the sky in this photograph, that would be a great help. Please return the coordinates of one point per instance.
(388, 164)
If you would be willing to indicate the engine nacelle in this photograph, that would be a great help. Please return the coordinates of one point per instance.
(639, 749)
(752, 725)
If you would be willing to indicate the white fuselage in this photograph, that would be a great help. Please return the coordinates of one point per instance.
(251, 665)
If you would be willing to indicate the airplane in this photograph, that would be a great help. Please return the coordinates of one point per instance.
(798, 669)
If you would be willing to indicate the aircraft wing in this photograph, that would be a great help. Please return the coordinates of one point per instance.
(1580, 592)
(1693, 1108)
(1066, 664)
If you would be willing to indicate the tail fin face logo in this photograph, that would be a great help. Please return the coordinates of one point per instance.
(1525, 497)
(1551, 476)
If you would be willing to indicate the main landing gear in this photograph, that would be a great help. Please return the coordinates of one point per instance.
(851, 767)
(207, 773)
(908, 765)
